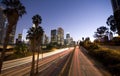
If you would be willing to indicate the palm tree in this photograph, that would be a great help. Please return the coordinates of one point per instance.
(35, 36)
(37, 20)
(39, 33)
(38, 44)
(13, 10)
(30, 36)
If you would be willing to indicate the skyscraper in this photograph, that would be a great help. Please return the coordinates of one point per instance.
(67, 35)
(60, 36)
(19, 37)
(24, 34)
(54, 36)
(115, 5)
(45, 39)
(2, 26)
(116, 12)
(68, 39)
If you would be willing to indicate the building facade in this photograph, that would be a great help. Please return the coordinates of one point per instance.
(116, 12)
(115, 5)
(45, 39)
(68, 39)
(19, 37)
(60, 36)
(54, 36)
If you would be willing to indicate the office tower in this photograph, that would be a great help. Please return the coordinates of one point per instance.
(60, 36)
(45, 39)
(54, 36)
(68, 39)
(19, 37)
(67, 35)
(116, 12)
(115, 5)
(24, 34)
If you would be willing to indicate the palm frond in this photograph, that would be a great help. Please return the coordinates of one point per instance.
(14, 5)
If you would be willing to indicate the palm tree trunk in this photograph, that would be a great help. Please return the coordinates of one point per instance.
(2, 56)
(41, 53)
(32, 66)
(37, 61)
(33, 62)
(4, 48)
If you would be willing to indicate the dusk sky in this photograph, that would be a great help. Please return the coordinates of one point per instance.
(78, 17)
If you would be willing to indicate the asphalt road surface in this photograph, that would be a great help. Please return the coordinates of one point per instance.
(82, 66)
(21, 61)
(48, 62)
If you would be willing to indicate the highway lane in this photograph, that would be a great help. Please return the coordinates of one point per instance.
(82, 66)
(55, 68)
(25, 69)
(21, 61)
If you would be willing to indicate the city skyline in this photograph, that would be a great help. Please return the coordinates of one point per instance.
(80, 18)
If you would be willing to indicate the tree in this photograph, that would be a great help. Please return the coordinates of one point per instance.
(13, 10)
(38, 44)
(21, 48)
(112, 24)
(35, 36)
(101, 32)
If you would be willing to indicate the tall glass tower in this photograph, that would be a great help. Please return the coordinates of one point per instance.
(116, 12)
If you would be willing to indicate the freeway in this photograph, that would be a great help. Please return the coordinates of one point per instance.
(82, 66)
(21, 61)
(20, 67)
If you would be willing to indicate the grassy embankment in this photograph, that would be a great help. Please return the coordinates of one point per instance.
(108, 57)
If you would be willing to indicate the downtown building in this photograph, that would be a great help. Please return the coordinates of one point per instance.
(60, 36)
(53, 36)
(57, 36)
(45, 39)
(69, 40)
(116, 12)
(19, 39)
(115, 5)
